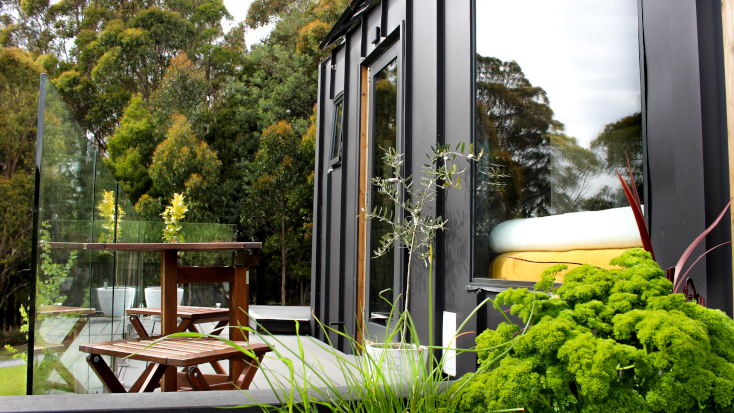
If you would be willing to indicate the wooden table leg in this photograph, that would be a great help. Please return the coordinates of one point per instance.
(74, 333)
(151, 382)
(138, 326)
(245, 379)
(219, 328)
(103, 371)
(239, 292)
(197, 380)
(143, 377)
(186, 324)
(169, 302)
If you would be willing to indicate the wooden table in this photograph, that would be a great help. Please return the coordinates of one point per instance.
(165, 356)
(190, 316)
(247, 254)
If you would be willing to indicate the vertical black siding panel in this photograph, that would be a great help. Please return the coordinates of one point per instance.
(423, 72)
(326, 203)
(335, 250)
(458, 104)
(716, 152)
(384, 30)
(674, 130)
(440, 250)
(316, 238)
(347, 231)
(373, 19)
(407, 39)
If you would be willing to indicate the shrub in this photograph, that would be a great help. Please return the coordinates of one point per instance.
(605, 341)
(13, 338)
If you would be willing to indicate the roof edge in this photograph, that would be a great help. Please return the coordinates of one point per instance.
(346, 21)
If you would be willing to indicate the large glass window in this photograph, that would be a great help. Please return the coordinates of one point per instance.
(557, 113)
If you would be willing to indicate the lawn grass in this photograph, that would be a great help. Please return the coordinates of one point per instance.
(12, 381)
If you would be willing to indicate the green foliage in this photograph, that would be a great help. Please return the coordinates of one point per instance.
(23, 355)
(605, 341)
(15, 233)
(48, 286)
(183, 90)
(19, 75)
(280, 196)
(414, 227)
(172, 217)
(128, 70)
(262, 12)
(184, 164)
(131, 148)
(149, 208)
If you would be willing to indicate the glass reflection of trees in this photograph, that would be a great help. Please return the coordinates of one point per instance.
(382, 273)
(532, 167)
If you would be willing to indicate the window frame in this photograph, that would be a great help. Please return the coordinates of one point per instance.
(337, 140)
(494, 285)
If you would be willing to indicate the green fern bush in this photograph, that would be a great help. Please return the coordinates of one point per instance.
(605, 341)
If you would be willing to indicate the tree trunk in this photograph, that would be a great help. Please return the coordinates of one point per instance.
(282, 253)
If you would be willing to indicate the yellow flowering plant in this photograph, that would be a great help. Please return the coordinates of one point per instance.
(106, 209)
(172, 216)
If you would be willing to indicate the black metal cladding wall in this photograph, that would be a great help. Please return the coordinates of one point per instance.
(686, 138)
(716, 150)
(422, 40)
(335, 250)
(458, 104)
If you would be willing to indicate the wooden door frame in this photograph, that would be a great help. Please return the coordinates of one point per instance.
(727, 14)
(361, 223)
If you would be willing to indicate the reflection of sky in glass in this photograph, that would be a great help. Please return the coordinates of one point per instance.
(584, 53)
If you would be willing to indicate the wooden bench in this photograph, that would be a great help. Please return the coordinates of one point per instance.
(176, 352)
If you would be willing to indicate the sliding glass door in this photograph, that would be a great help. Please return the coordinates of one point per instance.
(383, 285)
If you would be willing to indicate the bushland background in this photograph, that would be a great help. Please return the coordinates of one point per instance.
(177, 102)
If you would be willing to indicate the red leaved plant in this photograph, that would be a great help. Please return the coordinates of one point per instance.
(673, 273)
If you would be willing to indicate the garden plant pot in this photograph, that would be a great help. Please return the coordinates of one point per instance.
(399, 364)
(123, 299)
(153, 296)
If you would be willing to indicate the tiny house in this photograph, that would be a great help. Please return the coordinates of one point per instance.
(560, 95)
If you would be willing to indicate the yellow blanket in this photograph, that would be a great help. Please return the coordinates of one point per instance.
(506, 268)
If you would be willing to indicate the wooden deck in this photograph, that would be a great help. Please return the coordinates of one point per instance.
(105, 329)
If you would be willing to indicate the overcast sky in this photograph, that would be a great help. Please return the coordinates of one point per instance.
(584, 53)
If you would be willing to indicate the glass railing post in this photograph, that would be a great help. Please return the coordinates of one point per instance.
(31, 311)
